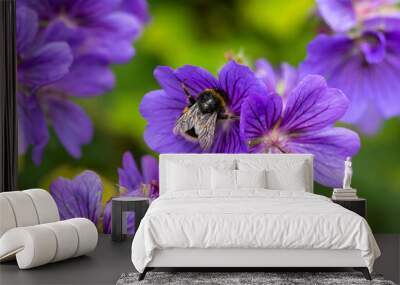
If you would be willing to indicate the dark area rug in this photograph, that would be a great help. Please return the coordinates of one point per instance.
(233, 278)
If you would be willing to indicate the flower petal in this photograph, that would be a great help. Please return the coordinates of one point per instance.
(371, 122)
(196, 79)
(139, 8)
(114, 50)
(88, 8)
(119, 25)
(26, 28)
(32, 126)
(43, 8)
(388, 24)
(107, 218)
(59, 31)
(112, 37)
(290, 78)
(45, 65)
(154, 191)
(129, 175)
(72, 126)
(330, 148)
(109, 37)
(227, 138)
(330, 56)
(339, 14)
(239, 82)
(168, 81)
(264, 71)
(161, 110)
(326, 55)
(63, 191)
(373, 46)
(88, 76)
(259, 115)
(79, 197)
(160, 138)
(161, 107)
(89, 192)
(149, 169)
(382, 84)
(312, 105)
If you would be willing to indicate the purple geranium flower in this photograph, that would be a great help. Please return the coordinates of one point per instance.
(69, 55)
(134, 183)
(43, 64)
(39, 64)
(93, 27)
(305, 125)
(364, 63)
(194, 112)
(343, 15)
(79, 197)
(280, 81)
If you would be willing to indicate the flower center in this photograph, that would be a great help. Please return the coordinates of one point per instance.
(368, 9)
(151, 189)
(373, 46)
(272, 142)
(71, 23)
(280, 87)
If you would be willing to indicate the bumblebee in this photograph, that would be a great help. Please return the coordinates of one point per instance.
(199, 119)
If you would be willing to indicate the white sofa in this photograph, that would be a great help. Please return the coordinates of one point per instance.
(31, 231)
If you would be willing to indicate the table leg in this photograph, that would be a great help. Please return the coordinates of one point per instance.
(116, 222)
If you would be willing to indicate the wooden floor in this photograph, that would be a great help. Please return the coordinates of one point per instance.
(110, 260)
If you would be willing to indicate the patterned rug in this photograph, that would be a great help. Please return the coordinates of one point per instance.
(243, 278)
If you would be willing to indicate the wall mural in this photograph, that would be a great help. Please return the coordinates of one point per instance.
(103, 84)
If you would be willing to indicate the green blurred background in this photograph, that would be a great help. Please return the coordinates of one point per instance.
(200, 33)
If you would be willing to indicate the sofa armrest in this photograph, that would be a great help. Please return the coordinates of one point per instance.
(40, 244)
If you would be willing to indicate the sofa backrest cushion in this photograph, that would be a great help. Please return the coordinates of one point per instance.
(26, 208)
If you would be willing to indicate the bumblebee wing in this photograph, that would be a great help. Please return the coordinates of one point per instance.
(205, 129)
(187, 120)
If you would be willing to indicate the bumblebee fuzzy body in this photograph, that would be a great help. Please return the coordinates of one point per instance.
(199, 119)
(210, 101)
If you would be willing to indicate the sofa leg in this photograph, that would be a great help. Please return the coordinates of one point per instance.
(143, 274)
(364, 271)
